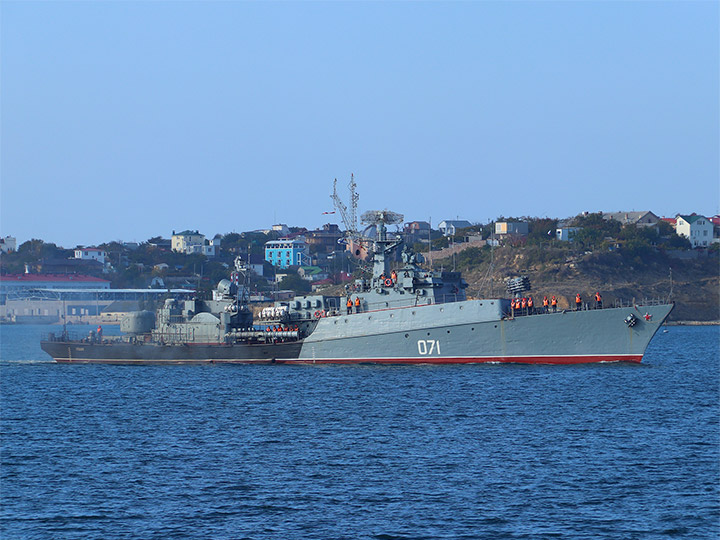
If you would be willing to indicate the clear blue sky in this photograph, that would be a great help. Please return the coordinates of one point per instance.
(126, 120)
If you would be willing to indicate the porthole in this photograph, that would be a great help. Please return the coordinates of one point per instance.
(496, 326)
(413, 313)
(472, 329)
(448, 331)
(442, 309)
(428, 333)
(407, 335)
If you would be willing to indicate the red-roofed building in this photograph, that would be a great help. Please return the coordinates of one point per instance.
(16, 282)
(671, 220)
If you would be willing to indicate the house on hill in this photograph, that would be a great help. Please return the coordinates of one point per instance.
(193, 242)
(698, 229)
(286, 252)
(450, 227)
(643, 219)
(91, 254)
(511, 228)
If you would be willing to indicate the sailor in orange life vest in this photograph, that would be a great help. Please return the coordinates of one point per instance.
(530, 305)
(349, 305)
(357, 305)
(99, 334)
(553, 303)
(598, 301)
(545, 304)
(578, 302)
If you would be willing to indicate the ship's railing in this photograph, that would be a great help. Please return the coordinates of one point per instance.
(590, 305)
(91, 337)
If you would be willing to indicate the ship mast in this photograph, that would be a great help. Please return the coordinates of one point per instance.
(382, 246)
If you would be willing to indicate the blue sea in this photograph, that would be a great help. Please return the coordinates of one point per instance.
(600, 451)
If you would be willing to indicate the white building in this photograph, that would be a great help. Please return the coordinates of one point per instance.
(181, 241)
(281, 228)
(91, 254)
(566, 234)
(449, 227)
(697, 229)
(193, 242)
(8, 244)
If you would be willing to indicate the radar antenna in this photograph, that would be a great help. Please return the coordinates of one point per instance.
(382, 246)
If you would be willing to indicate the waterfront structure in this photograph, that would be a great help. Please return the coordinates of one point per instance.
(698, 229)
(45, 298)
(286, 252)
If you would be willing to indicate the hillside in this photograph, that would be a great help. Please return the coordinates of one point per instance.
(694, 286)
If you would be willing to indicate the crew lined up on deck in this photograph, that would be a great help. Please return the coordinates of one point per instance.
(349, 304)
(526, 306)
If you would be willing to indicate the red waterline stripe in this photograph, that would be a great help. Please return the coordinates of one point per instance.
(569, 359)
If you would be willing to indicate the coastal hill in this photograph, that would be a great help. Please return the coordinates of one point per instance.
(693, 284)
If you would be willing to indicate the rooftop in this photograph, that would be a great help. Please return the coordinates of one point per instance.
(58, 278)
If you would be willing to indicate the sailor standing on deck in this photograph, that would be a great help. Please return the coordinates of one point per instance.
(553, 303)
(598, 301)
(578, 302)
(349, 305)
(357, 304)
(545, 305)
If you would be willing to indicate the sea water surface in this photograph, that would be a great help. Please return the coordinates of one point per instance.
(361, 452)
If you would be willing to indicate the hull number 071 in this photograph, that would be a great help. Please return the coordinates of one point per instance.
(428, 346)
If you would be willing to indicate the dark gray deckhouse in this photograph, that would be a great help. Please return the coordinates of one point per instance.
(404, 315)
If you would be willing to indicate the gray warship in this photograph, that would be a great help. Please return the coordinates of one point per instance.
(402, 314)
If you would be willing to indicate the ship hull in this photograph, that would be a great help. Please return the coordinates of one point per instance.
(129, 353)
(458, 333)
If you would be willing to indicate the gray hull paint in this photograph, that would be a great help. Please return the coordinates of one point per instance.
(462, 332)
(473, 331)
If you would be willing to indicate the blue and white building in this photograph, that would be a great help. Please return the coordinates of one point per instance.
(286, 252)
